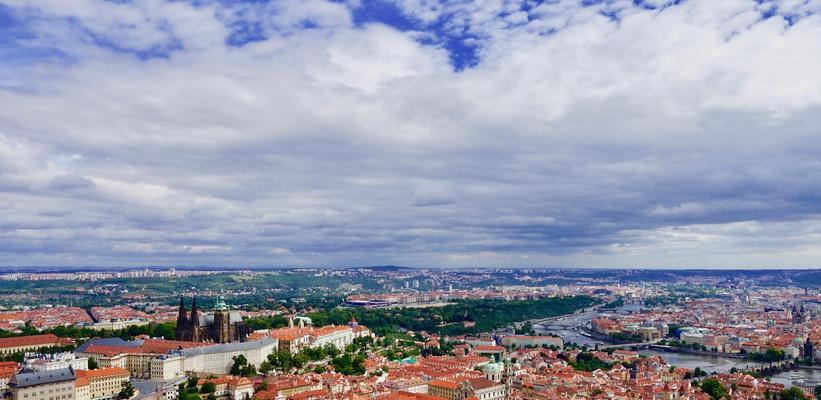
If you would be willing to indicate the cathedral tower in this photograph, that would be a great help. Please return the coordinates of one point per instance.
(222, 322)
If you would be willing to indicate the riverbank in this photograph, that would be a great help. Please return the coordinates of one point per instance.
(738, 356)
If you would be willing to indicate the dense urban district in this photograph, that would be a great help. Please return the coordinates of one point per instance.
(394, 333)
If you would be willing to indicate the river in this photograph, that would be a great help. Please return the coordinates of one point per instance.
(707, 363)
(721, 364)
(803, 377)
(570, 330)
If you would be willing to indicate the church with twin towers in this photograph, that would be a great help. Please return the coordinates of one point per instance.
(218, 326)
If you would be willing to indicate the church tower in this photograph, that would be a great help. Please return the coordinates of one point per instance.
(195, 322)
(809, 351)
(507, 377)
(182, 322)
(222, 322)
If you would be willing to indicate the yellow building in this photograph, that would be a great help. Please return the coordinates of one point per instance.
(82, 389)
(20, 344)
(105, 383)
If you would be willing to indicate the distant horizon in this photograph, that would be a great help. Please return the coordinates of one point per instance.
(8, 269)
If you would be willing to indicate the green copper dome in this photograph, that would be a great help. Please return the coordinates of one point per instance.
(221, 303)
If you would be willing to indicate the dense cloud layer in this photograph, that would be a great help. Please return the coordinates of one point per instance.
(586, 133)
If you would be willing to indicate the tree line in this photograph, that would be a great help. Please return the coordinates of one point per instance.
(458, 318)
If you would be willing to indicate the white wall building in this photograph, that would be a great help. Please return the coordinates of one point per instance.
(338, 336)
(50, 362)
(167, 367)
(219, 358)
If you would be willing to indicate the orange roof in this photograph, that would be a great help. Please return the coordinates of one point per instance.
(309, 394)
(483, 383)
(266, 395)
(230, 380)
(445, 384)
(327, 330)
(8, 365)
(289, 333)
(489, 348)
(29, 340)
(101, 373)
(110, 350)
(403, 395)
(8, 368)
(81, 381)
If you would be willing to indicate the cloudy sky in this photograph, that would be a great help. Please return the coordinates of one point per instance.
(652, 133)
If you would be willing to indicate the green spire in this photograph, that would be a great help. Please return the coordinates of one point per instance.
(221, 303)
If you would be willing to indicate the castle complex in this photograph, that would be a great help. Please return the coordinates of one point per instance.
(221, 326)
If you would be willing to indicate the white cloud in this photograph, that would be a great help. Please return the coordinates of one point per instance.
(433, 194)
(659, 137)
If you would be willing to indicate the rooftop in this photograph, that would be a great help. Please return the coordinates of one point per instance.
(28, 340)
(27, 379)
(228, 347)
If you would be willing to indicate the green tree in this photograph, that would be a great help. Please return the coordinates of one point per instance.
(240, 362)
(774, 354)
(127, 391)
(92, 363)
(192, 382)
(714, 388)
(793, 393)
(208, 387)
(265, 367)
(263, 386)
(249, 370)
(818, 392)
(300, 360)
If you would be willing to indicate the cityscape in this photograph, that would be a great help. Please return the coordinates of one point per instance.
(411, 333)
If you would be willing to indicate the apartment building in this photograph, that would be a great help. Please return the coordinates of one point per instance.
(338, 336)
(11, 345)
(218, 359)
(105, 383)
(47, 362)
(480, 388)
(43, 385)
(167, 367)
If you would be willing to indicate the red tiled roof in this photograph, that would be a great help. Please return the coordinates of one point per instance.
(489, 348)
(445, 384)
(309, 394)
(403, 395)
(327, 330)
(29, 340)
(101, 373)
(482, 383)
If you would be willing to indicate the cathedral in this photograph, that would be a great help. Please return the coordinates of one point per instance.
(220, 326)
